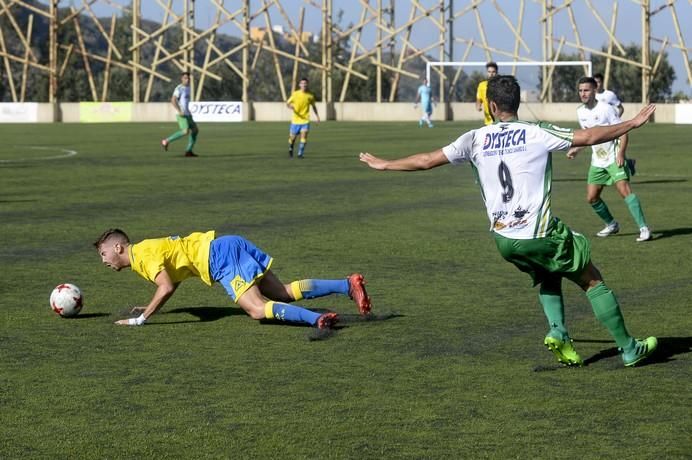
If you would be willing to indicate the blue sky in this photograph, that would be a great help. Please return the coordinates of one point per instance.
(498, 34)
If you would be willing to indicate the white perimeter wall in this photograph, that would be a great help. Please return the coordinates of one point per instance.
(346, 111)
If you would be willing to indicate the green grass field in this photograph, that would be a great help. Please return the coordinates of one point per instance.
(452, 365)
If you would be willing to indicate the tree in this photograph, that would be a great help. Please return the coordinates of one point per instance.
(626, 79)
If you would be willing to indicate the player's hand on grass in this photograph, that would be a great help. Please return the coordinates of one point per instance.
(132, 321)
(373, 161)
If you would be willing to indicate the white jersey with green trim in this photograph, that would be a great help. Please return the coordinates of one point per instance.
(608, 97)
(514, 166)
(602, 114)
(182, 96)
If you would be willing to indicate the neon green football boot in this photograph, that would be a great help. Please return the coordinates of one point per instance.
(640, 350)
(563, 350)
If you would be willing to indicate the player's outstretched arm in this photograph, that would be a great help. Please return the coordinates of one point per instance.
(415, 162)
(164, 290)
(600, 134)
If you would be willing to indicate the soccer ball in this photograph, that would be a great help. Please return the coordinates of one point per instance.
(66, 300)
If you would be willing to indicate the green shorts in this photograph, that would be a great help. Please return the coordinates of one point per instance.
(608, 176)
(186, 122)
(561, 253)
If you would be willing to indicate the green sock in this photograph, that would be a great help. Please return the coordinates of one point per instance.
(635, 207)
(175, 136)
(605, 307)
(554, 308)
(191, 142)
(603, 212)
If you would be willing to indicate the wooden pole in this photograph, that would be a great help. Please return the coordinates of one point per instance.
(402, 56)
(207, 55)
(25, 67)
(53, 52)
(246, 49)
(330, 55)
(107, 70)
(683, 48)
(136, 54)
(155, 61)
(272, 44)
(8, 68)
(613, 23)
(299, 37)
(85, 58)
(378, 53)
(646, 37)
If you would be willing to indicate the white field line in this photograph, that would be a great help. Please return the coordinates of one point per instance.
(66, 153)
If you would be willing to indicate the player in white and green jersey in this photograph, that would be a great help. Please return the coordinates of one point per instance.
(513, 162)
(181, 102)
(608, 163)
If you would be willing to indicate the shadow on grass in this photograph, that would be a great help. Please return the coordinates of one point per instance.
(659, 234)
(668, 348)
(659, 181)
(346, 320)
(89, 315)
(204, 314)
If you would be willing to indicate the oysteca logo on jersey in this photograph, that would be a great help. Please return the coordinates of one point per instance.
(504, 142)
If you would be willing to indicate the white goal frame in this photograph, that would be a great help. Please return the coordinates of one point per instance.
(430, 64)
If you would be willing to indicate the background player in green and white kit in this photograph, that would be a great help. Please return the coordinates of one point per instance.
(608, 163)
(612, 99)
(181, 101)
(513, 162)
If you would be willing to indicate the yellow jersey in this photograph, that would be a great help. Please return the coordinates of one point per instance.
(481, 96)
(181, 257)
(301, 102)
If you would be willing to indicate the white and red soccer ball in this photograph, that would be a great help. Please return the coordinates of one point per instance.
(66, 300)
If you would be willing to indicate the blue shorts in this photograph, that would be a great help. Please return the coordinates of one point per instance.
(295, 129)
(237, 264)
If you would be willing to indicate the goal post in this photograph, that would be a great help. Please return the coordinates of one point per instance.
(503, 64)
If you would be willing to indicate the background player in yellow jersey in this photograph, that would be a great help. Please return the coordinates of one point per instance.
(300, 102)
(481, 98)
(232, 261)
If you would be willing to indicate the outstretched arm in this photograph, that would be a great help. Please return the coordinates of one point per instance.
(415, 162)
(600, 134)
(164, 290)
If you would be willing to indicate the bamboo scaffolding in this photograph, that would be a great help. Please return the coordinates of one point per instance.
(577, 37)
(613, 23)
(354, 48)
(66, 60)
(296, 53)
(108, 37)
(25, 64)
(17, 29)
(207, 54)
(551, 69)
(157, 53)
(376, 22)
(402, 54)
(272, 44)
(8, 67)
(107, 69)
(85, 58)
(682, 47)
